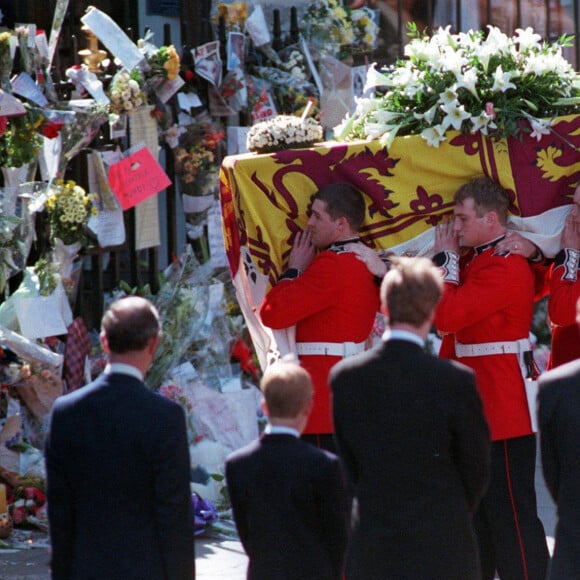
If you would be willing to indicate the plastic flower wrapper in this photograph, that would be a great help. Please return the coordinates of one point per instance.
(291, 93)
(5, 62)
(179, 391)
(80, 122)
(260, 99)
(211, 350)
(182, 302)
(12, 249)
(365, 30)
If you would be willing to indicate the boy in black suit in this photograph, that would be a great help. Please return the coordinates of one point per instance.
(288, 497)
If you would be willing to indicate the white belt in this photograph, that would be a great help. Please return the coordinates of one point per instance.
(487, 348)
(342, 349)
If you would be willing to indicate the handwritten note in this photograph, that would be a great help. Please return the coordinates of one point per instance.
(136, 178)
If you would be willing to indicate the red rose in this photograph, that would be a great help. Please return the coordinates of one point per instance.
(51, 130)
(3, 125)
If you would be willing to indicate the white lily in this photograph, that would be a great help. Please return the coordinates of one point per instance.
(433, 135)
(539, 128)
(502, 80)
(456, 114)
(527, 39)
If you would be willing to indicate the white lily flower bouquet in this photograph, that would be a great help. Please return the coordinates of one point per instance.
(501, 86)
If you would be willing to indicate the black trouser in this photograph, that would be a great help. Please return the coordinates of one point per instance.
(510, 534)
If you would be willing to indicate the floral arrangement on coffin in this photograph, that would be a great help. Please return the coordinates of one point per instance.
(326, 22)
(197, 150)
(499, 85)
(284, 132)
(126, 91)
(68, 208)
(365, 30)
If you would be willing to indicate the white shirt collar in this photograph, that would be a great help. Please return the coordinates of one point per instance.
(280, 430)
(124, 369)
(396, 334)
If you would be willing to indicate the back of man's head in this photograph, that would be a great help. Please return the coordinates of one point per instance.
(411, 290)
(287, 389)
(343, 200)
(487, 195)
(129, 324)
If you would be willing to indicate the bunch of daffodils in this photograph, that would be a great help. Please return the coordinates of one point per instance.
(283, 132)
(68, 208)
(499, 85)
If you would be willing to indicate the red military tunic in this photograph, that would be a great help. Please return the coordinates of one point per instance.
(564, 293)
(334, 300)
(493, 303)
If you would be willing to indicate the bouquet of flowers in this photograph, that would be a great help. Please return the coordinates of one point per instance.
(365, 30)
(68, 208)
(165, 62)
(20, 140)
(125, 91)
(469, 82)
(196, 152)
(327, 24)
(284, 132)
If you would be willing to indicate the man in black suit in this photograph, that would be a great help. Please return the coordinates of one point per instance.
(559, 423)
(117, 460)
(410, 430)
(288, 497)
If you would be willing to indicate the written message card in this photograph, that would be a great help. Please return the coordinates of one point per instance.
(136, 178)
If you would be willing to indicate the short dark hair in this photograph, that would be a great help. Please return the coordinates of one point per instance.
(487, 195)
(411, 290)
(129, 324)
(343, 200)
(287, 388)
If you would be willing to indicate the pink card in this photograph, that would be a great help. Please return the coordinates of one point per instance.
(136, 178)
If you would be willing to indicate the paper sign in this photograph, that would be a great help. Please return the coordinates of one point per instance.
(57, 21)
(10, 105)
(136, 178)
(109, 227)
(217, 250)
(188, 101)
(168, 88)
(44, 316)
(113, 37)
(25, 86)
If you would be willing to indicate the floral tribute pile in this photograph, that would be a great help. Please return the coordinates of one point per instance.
(470, 82)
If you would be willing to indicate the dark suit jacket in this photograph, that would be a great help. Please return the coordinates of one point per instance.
(290, 508)
(559, 423)
(411, 432)
(119, 500)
